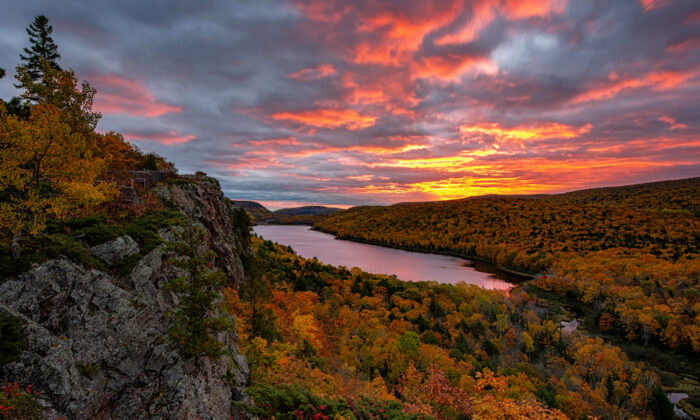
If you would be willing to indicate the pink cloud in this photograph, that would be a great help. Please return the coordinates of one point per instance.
(169, 137)
(118, 95)
(656, 80)
(672, 123)
(313, 73)
(649, 5)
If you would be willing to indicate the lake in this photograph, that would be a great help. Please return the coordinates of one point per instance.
(406, 265)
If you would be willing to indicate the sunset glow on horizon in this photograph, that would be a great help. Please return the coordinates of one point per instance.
(363, 102)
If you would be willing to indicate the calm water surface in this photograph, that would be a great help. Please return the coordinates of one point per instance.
(406, 265)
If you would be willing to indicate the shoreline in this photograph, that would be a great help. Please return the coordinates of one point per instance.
(525, 276)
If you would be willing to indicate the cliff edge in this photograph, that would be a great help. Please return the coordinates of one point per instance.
(97, 342)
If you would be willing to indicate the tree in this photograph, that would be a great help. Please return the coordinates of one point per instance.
(122, 155)
(433, 394)
(2, 72)
(45, 171)
(17, 107)
(43, 51)
(255, 293)
(196, 320)
(62, 89)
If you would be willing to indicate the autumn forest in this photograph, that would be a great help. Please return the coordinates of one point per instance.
(603, 322)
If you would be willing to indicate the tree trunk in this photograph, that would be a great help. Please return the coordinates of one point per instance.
(14, 248)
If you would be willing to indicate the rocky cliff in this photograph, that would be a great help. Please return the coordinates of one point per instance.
(97, 344)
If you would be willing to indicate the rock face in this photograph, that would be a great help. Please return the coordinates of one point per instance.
(203, 202)
(97, 345)
(117, 249)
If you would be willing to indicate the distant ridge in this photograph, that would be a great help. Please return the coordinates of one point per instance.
(286, 216)
(529, 233)
(257, 211)
(307, 210)
(670, 194)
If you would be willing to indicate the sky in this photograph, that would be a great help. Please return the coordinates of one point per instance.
(342, 102)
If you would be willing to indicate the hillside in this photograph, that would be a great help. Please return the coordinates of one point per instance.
(528, 233)
(326, 341)
(257, 211)
(304, 215)
(307, 210)
(674, 195)
(626, 256)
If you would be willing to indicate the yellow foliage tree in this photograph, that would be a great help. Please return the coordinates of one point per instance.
(45, 171)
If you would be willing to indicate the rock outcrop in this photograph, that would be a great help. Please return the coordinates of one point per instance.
(97, 344)
(113, 251)
(203, 202)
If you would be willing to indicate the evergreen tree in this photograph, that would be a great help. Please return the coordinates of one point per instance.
(197, 320)
(42, 51)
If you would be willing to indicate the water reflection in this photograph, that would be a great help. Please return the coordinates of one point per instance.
(406, 265)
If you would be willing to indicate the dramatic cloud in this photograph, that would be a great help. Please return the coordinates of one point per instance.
(328, 118)
(168, 137)
(359, 102)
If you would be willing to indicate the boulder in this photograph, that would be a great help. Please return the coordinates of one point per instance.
(113, 251)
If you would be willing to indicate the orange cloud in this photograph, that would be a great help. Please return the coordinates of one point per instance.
(289, 141)
(483, 14)
(535, 131)
(454, 188)
(313, 73)
(523, 9)
(367, 150)
(446, 163)
(658, 81)
(328, 118)
(366, 177)
(169, 137)
(506, 177)
(451, 66)
(117, 95)
(400, 32)
(391, 91)
(649, 5)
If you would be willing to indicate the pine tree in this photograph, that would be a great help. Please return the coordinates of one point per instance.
(197, 320)
(43, 50)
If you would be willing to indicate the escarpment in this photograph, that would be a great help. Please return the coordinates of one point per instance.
(96, 342)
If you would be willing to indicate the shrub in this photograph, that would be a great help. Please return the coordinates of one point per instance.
(39, 248)
(293, 402)
(19, 403)
(11, 339)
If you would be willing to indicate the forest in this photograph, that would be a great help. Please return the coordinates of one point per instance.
(326, 341)
(630, 252)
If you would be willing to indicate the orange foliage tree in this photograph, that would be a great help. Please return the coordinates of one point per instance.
(45, 171)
